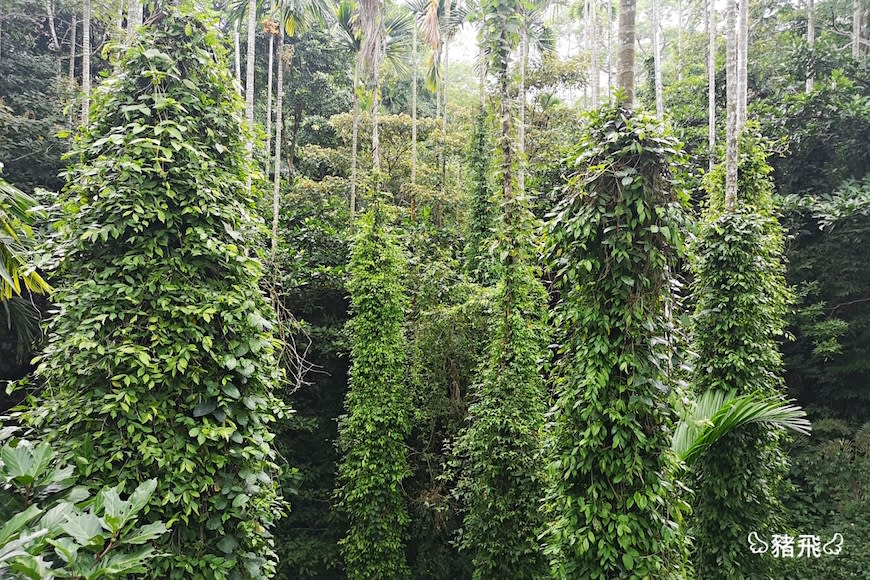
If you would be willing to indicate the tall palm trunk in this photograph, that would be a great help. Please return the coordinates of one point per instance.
(593, 53)
(856, 29)
(625, 64)
(249, 82)
(679, 40)
(445, 75)
(118, 31)
(610, 74)
(72, 65)
(505, 141)
(135, 15)
(711, 83)
(811, 39)
(269, 96)
(279, 106)
(376, 141)
(354, 140)
(86, 60)
(657, 59)
(731, 100)
(742, 60)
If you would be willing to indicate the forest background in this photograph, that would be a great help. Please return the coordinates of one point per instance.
(808, 105)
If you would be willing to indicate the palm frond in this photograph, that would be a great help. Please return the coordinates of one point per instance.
(15, 244)
(397, 27)
(347, 25)
(717, 413)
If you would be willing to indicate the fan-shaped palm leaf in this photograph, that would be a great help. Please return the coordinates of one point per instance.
(716, 414)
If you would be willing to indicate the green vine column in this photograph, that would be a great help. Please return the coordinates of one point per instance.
(160, 362)
(612, 242)
(502, 474)
(741, 295)
(373, 432)
(482, 217)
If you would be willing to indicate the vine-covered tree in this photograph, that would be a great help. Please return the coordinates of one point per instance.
(741, 295)
(373, 432)
(160, 361)
(612, 245)
(502, 477)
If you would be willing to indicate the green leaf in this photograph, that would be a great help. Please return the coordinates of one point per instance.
(145, 533)
(204, 408)
(227, 544)
(17, 522)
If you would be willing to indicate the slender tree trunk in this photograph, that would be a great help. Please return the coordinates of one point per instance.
(438, 85)
(86, 60)
(276, 178)
(445, 77)
(811, 39)
(444, 84)
(625, 64)
(118, 27)
(237, 60)
(680, 40)
(49, 11)
(610, 74)
(354, 148)
(376, 141)
(593, 53)
(413, 109)
(521, 131)
(135, 15)
(269, 98)
(856, 29)
(249, 82)
(731, 118)
(657, 60)
(742, 61)
(72, 67)
(711, 82)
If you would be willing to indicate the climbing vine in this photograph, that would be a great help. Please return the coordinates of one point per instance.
(372, 434)
(499, 452)
(161, 362)
(741, 298)
(612, 244)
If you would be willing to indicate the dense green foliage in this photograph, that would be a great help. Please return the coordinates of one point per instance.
(465, 469)
(612, 245)
(500, 450)
(160, 360)
(482, 218)
(741, 297)
(55, 530)
(372, 434)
